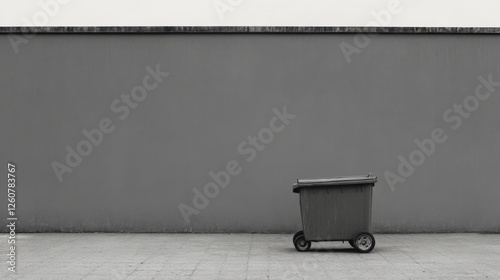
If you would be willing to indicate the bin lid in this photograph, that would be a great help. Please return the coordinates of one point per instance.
(335, 181)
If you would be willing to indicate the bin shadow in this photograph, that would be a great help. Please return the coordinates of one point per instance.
(323, 250)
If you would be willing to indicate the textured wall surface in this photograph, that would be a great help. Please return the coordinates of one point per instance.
(350, 118)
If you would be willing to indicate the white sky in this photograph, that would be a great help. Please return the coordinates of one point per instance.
(471, 13)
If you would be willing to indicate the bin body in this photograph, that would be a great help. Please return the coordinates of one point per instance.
(337, 211)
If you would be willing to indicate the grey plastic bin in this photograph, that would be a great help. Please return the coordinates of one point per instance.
(336, 209)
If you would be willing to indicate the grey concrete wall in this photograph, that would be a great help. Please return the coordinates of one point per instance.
(351, 118)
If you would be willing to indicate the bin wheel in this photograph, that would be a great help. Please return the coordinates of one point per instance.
(364, 242)
(301, 244)
(351, 243)
(300, 232)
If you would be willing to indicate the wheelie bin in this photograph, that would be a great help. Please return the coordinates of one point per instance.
(336, 209)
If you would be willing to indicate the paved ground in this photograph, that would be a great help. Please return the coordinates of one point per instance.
(250, 256)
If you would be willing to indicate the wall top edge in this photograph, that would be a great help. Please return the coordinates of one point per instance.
(247, 29)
